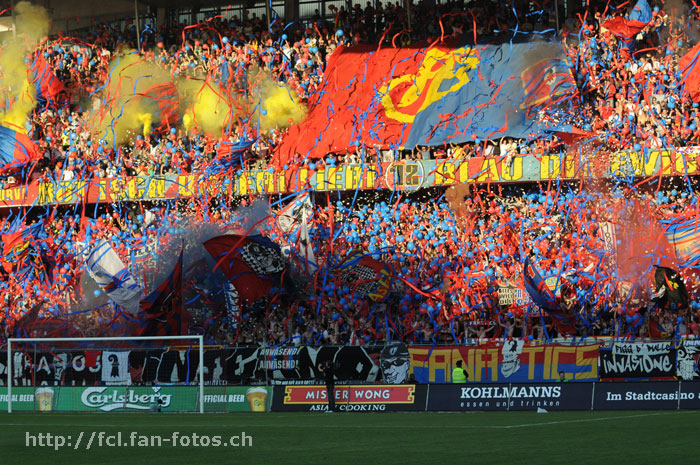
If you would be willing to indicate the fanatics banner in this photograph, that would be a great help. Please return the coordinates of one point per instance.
(506, 361)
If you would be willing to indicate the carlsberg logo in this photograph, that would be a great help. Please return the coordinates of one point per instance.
(498, 392)
(105, 400)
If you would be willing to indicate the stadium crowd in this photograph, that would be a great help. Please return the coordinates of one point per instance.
(452, 252)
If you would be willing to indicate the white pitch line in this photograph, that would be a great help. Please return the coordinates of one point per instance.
(586, 420)
(237, 426)
(422, 426)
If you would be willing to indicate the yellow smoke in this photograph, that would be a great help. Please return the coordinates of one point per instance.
(32, 22)
(124, 112)
(208, 107)
(280, 106)
(32, 26)
(146, 120)
(218, 111)
(18, 91)
(188, 121)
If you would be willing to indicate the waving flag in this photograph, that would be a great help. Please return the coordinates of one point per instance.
(546, 80)
(430, 96)
(293, 222)
(543, 296)
(366, 276)
(106, 268)
(306, 248)
(630, 26)
(537, 288)
(163, 311)
(16, 150)
(670, 289)
(16, 245)
(684, 235)
(295, 213)
(165, 95)
(254, 264)
(690, 73)
(49, 89)
(237, 148)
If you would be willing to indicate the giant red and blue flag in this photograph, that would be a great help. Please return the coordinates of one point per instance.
(430, 96)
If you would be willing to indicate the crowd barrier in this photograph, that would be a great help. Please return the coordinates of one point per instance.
(659, 395)
(509, 361)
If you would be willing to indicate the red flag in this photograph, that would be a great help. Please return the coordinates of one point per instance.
(623, 27)
(168, 100)
(351, 77)
(48, 86)
(628, 27)
(254, 264)
(15, 246)
(690, 73)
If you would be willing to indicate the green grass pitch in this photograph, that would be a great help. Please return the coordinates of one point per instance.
(374, 439)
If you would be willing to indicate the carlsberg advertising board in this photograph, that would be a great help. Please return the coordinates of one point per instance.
(137, 398)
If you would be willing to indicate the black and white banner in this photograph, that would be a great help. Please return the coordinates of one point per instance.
(234, 366)
(688, 358)
(637, 360)
(115, 368)
(66, 368)
(352, 363)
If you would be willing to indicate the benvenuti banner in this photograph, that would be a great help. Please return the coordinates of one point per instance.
(137, 398)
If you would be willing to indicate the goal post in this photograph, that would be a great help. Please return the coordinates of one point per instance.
(60, 340)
